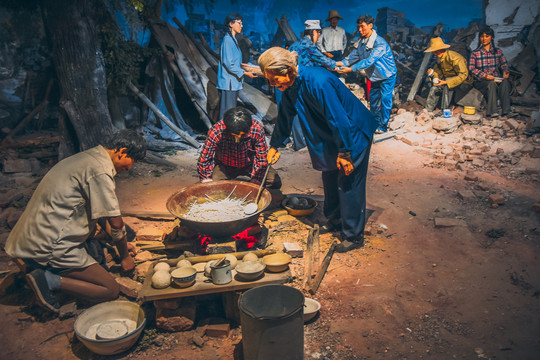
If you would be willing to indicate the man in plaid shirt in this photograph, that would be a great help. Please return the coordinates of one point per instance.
(236, 146)
(489, 68)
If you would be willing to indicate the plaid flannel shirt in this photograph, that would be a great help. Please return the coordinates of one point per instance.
(482, 63)
(220, 148)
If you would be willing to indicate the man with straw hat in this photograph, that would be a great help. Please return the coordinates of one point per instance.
(450, 75)
(333, 39)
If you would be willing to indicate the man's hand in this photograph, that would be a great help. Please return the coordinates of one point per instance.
(344, 163)
(344, 70)
(250, 74)
(132, 249)
(273, 156)
(506, 74)
(489, 77)
(328, 54)
(441, 83)
(127, 263)
(339, 64)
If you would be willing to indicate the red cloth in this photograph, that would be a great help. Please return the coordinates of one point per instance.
(368, 88)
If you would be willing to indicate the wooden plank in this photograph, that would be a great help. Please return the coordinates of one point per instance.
(148, 214)
(163, 118)
(308, 259)
(419, 76)
(203, 286)
(322, 271)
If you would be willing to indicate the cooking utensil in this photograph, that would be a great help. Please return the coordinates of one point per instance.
(252, 207)
(179, 203)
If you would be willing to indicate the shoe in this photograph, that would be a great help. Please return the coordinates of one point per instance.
(494, 115)
(348, 245)
(510, 114)
(329, 227)
(44, 296)
(531, 132)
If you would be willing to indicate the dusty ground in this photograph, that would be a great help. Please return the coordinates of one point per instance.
(413, 292)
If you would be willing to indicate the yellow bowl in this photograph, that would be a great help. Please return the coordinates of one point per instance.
(299, 212)
(277, 262)
(469, 110)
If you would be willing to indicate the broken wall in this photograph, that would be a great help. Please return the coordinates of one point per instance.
(508, 19)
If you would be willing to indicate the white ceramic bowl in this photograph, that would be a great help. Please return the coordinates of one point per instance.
(311, 308)
(86, 325)
(250, 270)
(184, 276)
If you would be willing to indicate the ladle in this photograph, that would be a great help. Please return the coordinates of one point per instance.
(252, 207)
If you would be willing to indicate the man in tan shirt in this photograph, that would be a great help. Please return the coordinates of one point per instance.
(450, 76)
(63, 212)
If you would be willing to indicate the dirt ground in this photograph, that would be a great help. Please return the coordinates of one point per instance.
(414, 291)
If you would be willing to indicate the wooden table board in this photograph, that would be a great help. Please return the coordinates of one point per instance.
(204, 285)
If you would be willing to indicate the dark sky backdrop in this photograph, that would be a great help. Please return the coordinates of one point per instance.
(260, 15)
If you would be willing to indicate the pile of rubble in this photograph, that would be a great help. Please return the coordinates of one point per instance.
(470, 142)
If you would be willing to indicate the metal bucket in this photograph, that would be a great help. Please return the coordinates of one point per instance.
(272, 319)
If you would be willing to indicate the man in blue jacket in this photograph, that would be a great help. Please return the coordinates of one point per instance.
(338, 130)
(373, 54)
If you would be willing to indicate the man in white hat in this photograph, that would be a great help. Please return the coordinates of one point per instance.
(333, 39)
(450, 75)
(308, 53)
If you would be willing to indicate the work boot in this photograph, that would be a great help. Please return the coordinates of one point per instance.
(350, 244)
(510, 114)
(330, 226)
(44, 296)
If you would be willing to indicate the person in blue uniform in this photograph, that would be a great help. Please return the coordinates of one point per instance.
(373, 54)
(230, 75)
(309, 55)
(338, 130)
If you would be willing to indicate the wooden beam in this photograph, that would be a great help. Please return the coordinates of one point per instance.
(419, 76)
(322, 271)
(169, 123)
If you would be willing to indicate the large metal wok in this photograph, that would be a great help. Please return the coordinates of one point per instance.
(180, 202)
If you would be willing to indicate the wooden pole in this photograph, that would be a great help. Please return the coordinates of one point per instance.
(419, 76)
(169, 123)
(308, 260)
(322, 271)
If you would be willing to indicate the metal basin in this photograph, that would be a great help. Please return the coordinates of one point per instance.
(87, 325)
(179, 203)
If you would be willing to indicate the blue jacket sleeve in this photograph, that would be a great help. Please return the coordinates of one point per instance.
(378, 51)
(228, 50)
(353, 57)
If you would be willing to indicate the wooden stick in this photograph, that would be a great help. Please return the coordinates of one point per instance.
(148, 214)
(205, 258)
(25, 121)
(163, 118)
(308, 260)
(322, 271)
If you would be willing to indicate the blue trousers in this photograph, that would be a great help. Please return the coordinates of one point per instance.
(227, 100)
(345, 197)
(380, 100)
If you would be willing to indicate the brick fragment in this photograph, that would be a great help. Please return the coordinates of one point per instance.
(129, 287)
(496, 199)
(466, 195)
